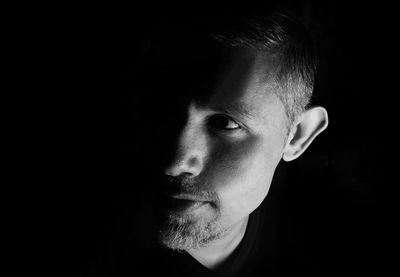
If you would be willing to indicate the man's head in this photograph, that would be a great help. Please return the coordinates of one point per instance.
(229, 132)
(286, 46)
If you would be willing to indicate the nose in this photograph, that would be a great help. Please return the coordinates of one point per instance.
(188, 157)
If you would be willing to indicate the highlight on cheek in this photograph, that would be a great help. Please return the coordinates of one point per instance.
(233, 154)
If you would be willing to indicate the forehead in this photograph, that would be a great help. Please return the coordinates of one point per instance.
(211, 74)
(246, 80)
(183, 67)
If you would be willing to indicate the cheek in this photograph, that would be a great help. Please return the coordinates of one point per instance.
(241, 173)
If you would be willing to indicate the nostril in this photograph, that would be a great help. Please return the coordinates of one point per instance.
(193, 162)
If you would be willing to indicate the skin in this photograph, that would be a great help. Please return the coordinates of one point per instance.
(231, 143)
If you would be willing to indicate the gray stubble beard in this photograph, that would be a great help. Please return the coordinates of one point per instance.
(182, 233)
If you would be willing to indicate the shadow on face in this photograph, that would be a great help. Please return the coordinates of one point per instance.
(176, 73)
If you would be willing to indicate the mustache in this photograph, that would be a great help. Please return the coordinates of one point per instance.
(182, 181)
(185, 185)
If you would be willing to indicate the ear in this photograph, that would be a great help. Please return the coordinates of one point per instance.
(305, 129)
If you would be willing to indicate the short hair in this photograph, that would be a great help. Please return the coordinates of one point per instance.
(283, 37)
(276, 33)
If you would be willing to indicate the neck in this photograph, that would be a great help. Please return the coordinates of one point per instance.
(215, 253)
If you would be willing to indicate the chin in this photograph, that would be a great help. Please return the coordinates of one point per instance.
(182, 232)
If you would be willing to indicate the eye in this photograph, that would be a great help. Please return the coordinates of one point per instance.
(223, 122)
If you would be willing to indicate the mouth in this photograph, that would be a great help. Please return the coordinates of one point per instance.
(182, 203)
(187, 197)
(186, 206)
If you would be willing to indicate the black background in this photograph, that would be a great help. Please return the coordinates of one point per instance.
(77, 61)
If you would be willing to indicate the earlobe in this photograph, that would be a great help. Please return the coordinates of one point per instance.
(308, 126)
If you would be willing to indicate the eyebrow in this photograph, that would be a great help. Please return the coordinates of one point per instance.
(235, 108)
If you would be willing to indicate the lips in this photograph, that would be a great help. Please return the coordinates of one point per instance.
(187, 197)
(187, 205)
(181, 203)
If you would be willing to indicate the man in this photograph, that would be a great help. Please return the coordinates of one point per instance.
(225, 104)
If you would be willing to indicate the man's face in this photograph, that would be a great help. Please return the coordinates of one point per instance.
(224, 155)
